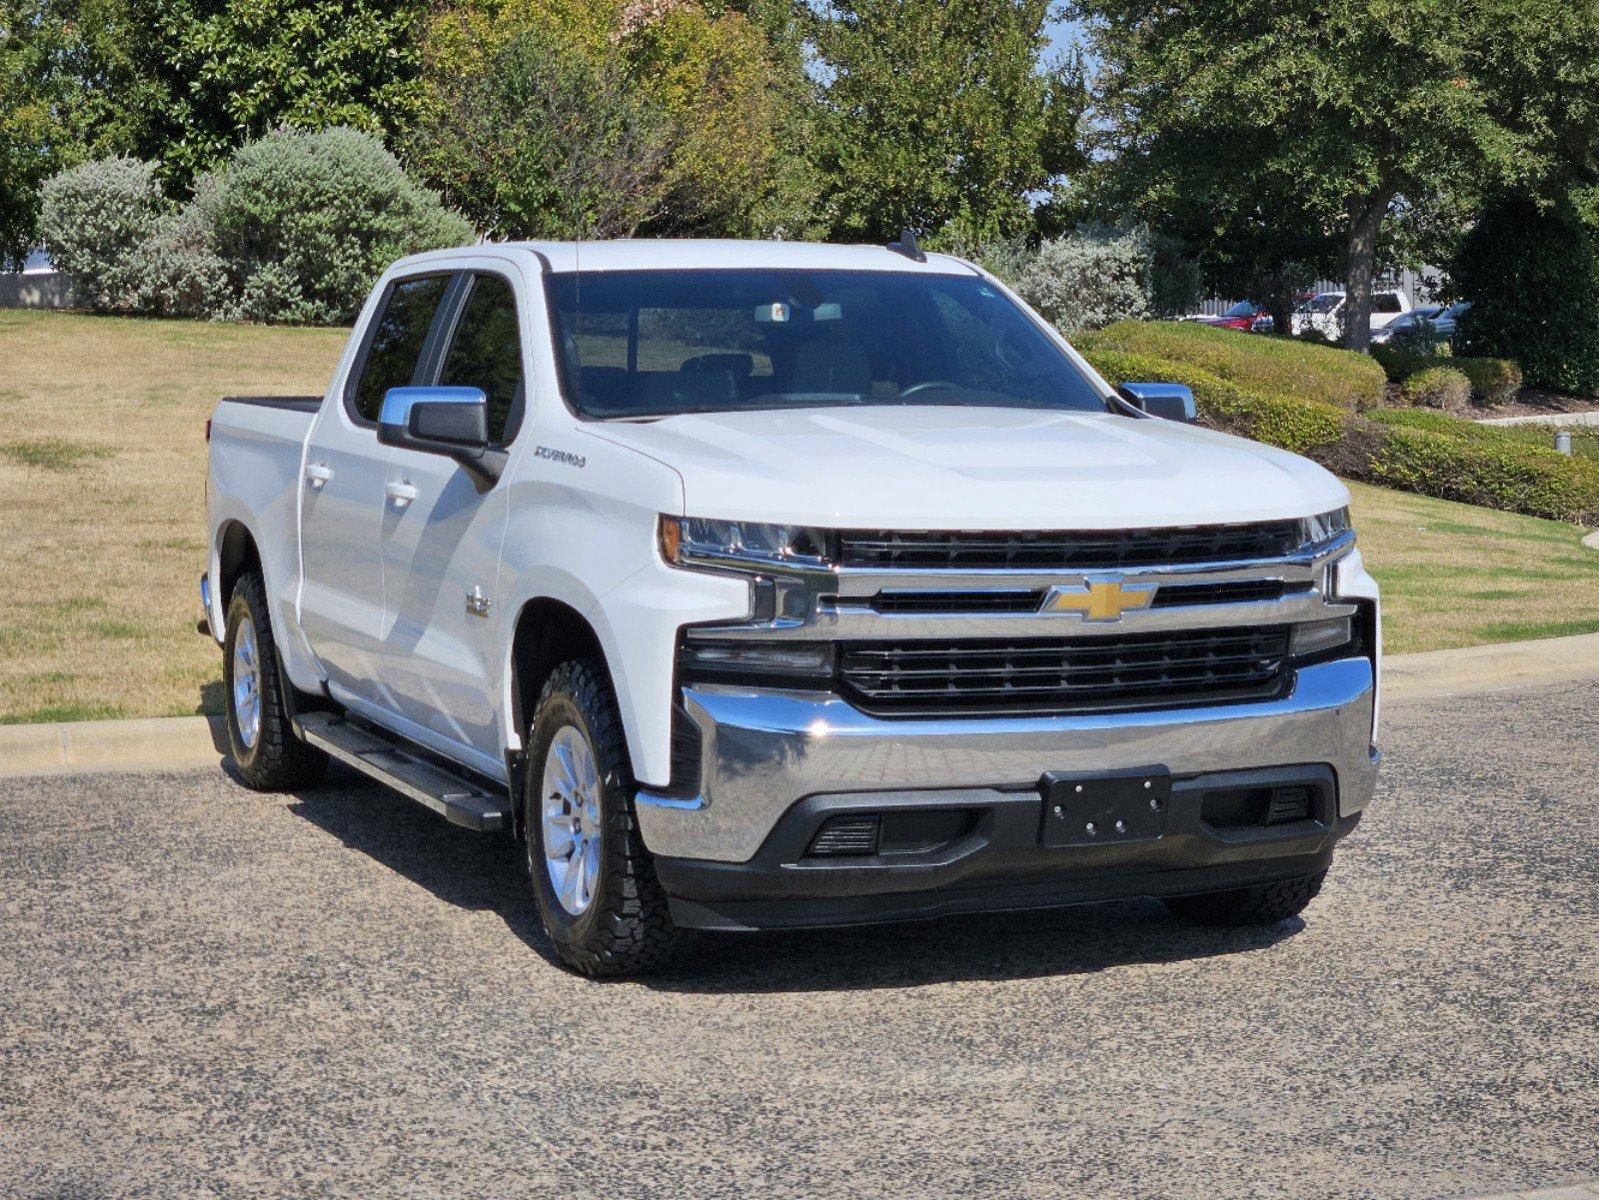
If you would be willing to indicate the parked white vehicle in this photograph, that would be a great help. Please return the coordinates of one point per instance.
(762, 585)
(1324, 311)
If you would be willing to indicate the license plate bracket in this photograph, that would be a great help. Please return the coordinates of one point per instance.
(1101, 810)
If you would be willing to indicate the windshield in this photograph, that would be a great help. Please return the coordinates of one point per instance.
(1415, 317)
(654, 343)
(1242, 309)
(1323, 303)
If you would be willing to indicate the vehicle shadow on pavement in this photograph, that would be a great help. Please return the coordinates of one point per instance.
(480, 872)
(485, 873)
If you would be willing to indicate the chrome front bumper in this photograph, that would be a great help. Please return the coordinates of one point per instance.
(764, 751)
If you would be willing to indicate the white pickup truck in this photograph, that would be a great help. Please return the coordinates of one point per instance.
(1325, 311)
(769, 585)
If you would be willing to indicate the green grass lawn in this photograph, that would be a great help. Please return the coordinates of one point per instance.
(102, 520)
(1457, 575)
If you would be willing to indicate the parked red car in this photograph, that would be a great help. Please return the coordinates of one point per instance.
(1240, 316)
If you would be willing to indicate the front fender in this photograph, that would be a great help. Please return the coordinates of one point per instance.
(582, 531)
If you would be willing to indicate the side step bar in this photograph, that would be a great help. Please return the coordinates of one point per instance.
(454, 797)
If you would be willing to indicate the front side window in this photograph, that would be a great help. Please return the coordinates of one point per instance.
(398, 335)
(486, 352)
(653, 343)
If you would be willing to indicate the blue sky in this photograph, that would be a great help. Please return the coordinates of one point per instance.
(1061, 32)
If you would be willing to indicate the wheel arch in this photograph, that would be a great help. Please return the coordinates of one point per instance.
(547, 633)
(237, 552)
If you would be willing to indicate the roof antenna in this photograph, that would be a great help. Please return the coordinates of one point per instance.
(907, 245)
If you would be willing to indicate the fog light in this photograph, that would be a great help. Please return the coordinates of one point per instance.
(1317, 637)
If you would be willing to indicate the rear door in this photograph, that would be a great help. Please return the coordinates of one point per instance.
(344, 503)
(441, 546)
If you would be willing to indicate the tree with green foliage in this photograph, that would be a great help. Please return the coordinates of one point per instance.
(544, 144)
(1531, 273)
(939, 115)
(63, 98)
(550, 118)
(1360, 113)
(214, 74)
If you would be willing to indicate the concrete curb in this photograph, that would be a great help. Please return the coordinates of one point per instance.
(183, 743)
(147, 743)
(1573, 1191)
(1490, 668)
(1571, 420)
(1592, 540)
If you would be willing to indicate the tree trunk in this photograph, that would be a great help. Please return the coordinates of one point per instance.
(1281, 307)
(1365, 222)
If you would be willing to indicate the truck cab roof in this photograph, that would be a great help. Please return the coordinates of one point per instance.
(634, 254)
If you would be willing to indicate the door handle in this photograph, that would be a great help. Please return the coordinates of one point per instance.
(402, 493)
(317, 474)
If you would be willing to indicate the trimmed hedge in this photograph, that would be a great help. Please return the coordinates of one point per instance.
(1260, 366)
(1398, 363)
(1493, 380)
(1516, 478)
(1416, 450)
(1438, 387)
(1584, 438)
(1298, 425)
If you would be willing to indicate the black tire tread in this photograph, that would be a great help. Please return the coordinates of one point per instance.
(633, 932)
(280, 761)
(1264, 904)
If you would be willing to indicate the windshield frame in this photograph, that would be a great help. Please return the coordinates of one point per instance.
(1102, 389)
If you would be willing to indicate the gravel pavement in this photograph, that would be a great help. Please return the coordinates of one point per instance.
(209, 992)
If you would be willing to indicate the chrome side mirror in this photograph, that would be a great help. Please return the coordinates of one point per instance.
(452, 421)
(1173, 401)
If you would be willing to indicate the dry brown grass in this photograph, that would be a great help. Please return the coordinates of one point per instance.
(102, 531)
(102, 523)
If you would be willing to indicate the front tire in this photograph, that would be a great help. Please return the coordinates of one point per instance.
(269, 755)
(593, 881)
(1265, 904)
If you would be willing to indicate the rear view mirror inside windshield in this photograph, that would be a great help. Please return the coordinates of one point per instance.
(780, 312)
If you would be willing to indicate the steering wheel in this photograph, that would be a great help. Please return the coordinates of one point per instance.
(925, 384)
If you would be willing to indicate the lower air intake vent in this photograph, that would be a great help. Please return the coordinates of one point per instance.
(1288, 804)
(846, 835)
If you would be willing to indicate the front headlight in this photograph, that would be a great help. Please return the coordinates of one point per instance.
(1323, 528)
(686, 541)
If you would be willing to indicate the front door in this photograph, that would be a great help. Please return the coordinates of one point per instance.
(441, 543)
(344, 501)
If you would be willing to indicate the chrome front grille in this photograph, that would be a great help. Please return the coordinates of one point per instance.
(988, 601)
(1098, 550)
(1062, 675)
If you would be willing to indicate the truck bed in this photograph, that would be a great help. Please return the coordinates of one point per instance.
(257, 453)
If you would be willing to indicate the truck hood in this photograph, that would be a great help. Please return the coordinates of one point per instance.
(973, 468)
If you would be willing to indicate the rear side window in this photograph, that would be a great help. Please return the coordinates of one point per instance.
(486, 352)
(398, 336)
(1387, 302)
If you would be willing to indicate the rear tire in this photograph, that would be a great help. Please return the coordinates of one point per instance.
(1266, 904)
(593, 881)
(269, 755)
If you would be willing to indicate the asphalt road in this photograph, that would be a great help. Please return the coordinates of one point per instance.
(208, 992)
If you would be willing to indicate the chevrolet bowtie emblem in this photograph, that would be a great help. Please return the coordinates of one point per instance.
(1100, 599)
